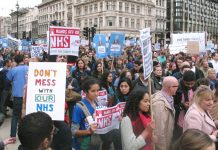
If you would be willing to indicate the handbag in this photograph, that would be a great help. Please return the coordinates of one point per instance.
(95, 138)
(71, 95)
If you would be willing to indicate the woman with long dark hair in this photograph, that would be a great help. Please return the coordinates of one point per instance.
(136, 125)
(81, 72)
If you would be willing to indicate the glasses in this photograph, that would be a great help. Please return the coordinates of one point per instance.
(62, 57)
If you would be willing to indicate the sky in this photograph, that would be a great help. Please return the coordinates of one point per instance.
(7, 5)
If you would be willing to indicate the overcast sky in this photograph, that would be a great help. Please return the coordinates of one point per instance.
(7, 5)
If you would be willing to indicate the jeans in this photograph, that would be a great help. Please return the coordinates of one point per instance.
(17, 107)
(4, 97)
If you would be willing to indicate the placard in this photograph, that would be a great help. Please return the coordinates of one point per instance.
(64, 40)
(46, 89)
(108, 119)
(193, 47)
(102, 97)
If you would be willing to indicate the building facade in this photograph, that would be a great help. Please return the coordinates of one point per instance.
(50, 10)
(193, 16)
(114, 15)
(5, 26)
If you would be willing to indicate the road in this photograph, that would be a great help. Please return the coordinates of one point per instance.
(5, 133)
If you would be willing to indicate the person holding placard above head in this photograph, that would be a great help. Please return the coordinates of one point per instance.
(136, 125)
(83, 126)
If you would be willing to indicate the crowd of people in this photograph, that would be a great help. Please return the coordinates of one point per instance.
(175, 108)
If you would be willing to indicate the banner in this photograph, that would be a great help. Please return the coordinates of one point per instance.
(146, 52)
(182, 39)
(102, 97)
(36, 51)
(46, 89)
(108, 119)
(64, 40)
(175, 49)
(116, 44)
(100, 45)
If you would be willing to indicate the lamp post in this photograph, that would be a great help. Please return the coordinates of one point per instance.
(17, 6)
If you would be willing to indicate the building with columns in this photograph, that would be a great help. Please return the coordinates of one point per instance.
(5, 26)
(50, 10)
(114, 15)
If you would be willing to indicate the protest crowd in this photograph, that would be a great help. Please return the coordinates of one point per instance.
(176, 108)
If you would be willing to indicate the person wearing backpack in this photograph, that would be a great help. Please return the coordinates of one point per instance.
(83, 126)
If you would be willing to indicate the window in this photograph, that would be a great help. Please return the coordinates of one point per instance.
(86, 10)
(90, 9)
(145, 23)
(95, 7)
(101, 6)
(120, 21)
(126, 7)
(126, 22)
(132, 8)
(138, 10)
(110, 21)
(149, 23)
(90, 22)
(132, 23)
(78, 23)
(101, 21)
(107, 5)
(120, 6)
(86, 23)
(95, 21)
(149, 10)
(113, 5)
(138, 23)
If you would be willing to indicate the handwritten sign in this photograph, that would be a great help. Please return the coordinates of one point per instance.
(46, 89)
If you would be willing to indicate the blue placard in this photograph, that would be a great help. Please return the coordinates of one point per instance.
(100, 45)
(116, 44)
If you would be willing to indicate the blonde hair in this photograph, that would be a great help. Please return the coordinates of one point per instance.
(202, 92)
(193, 139)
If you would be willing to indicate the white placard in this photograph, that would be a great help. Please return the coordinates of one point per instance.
(46, 89)
(175, 49)
(182, 39)
(146, 52)
(108, 119)
(101, 99)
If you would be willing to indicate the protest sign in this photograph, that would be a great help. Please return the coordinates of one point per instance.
(193, 47)
(108, 119)
(146, 52)
(175, 49)
(46, 89)
(36, 51)
(100, 45)
(182, 39)
(102, 97)
(64, 40)
(116, 43)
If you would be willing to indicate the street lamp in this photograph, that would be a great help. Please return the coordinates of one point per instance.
(17, 6)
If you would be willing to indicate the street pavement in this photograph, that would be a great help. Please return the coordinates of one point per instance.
(5, 133)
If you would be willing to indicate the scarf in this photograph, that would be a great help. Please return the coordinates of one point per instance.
(139, 125)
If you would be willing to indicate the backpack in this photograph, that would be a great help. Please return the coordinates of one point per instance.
(2, 78)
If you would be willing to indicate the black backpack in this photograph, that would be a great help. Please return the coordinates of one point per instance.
(2, 78)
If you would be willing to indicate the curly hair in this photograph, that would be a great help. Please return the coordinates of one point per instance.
(132, 105)
(104, 83)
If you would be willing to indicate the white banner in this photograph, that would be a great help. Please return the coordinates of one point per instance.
(175, 49)
(46, 89)
(146, 52)
(108, 119)
(182, 39)
(64, 40)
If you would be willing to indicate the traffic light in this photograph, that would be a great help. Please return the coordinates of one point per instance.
(86, 32)
(93, 31)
